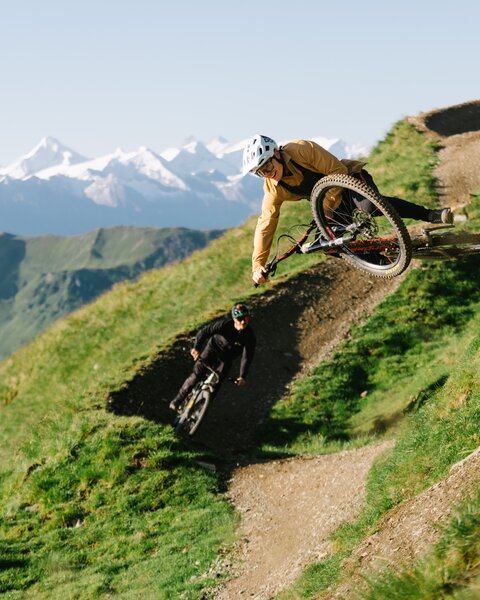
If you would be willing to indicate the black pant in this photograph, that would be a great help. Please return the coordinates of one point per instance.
(200, 371)
(405, 209)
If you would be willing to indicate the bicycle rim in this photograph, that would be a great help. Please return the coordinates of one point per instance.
(381, 244)
(181, 422)
(199, 411)
(193, 415)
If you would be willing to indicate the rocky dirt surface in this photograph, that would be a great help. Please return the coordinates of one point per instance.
(289, 507)
(408, 530)
(457, 130)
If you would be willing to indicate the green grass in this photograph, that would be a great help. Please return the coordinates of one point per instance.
(96, 505)
(125, 499)
(402, 165)
(436, 435)
(410, 372)
(450, 570)
(404, 349)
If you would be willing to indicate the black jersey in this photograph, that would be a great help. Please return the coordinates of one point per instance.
(222, 339)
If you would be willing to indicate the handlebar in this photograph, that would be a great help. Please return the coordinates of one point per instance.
(271, 267)
(217, 375)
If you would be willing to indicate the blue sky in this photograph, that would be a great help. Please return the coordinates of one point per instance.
(104, 74)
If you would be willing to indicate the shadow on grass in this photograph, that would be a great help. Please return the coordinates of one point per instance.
(239, 419)
(234, 415)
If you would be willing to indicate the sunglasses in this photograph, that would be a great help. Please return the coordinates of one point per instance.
(267, 169)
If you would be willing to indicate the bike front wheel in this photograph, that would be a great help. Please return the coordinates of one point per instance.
(196, 407)
(375, 241)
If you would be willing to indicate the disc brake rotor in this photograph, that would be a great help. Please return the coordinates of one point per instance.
(365, 223)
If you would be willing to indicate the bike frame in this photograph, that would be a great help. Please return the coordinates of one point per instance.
(434, 243)
(329, 246)
(209, 383)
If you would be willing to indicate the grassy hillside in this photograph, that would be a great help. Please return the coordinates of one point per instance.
(439, 429)
(100, 503)
(412, 373)
(43, 278)
(97, 505)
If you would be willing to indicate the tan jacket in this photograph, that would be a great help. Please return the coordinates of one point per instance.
(307, 154)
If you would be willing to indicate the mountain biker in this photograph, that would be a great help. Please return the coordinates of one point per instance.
(217, 345)
(291, 171)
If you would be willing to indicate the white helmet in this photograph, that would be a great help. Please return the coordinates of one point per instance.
(256, 152)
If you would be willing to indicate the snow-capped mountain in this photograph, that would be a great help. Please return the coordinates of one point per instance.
(48, 152)
(193, 158)
(53, 189)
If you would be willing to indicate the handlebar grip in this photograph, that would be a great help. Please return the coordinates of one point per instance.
(257, 284)
(269, 269)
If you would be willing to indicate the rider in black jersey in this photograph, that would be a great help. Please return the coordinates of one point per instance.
(217, 345)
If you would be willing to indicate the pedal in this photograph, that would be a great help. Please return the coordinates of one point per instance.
(177, 410)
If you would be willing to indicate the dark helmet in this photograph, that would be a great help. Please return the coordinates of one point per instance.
(240, 310)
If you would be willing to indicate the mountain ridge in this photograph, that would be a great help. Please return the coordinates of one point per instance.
(44, 278)
(54, 190)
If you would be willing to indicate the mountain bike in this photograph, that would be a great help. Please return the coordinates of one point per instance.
(195, 406)
(377, 243)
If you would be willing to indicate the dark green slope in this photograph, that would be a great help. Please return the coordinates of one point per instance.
(43, 278)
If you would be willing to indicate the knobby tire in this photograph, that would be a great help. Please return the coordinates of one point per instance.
(191, 417)
(385, 265)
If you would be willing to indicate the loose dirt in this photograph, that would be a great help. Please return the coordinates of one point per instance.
(409, 529)
(288, 509)
(457, 130)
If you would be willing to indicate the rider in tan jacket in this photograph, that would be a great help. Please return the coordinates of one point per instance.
(310, 155)
(290, 173)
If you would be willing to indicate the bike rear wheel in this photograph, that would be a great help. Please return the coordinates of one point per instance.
(377, 243)
(192, 415)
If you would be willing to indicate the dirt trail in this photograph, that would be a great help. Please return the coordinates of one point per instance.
(298, 322)
(289, 507)
(409, 529)
(457, 130)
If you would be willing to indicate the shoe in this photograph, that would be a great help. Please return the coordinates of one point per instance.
(173, 406)
(443, 215)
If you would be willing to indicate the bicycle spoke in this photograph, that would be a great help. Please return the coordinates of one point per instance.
(375, 238)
